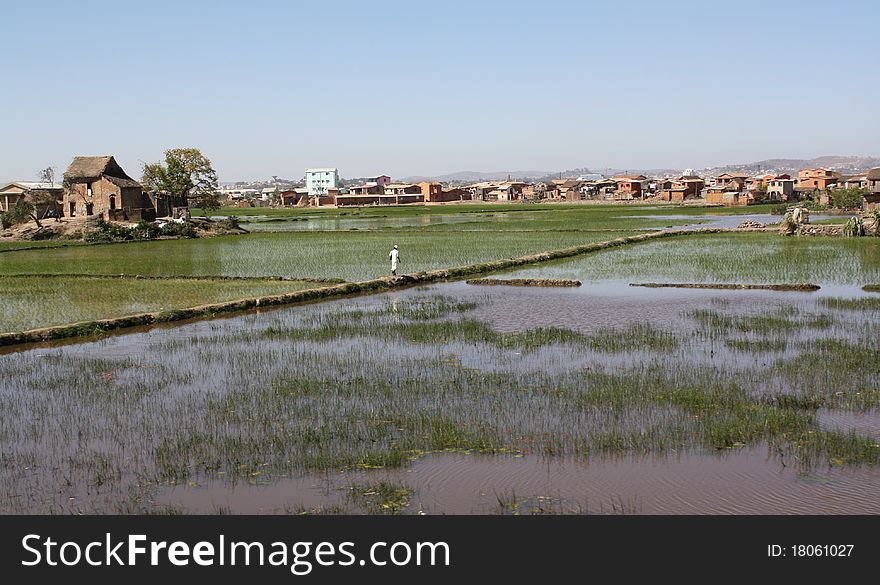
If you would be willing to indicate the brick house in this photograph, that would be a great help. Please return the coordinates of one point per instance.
(97, 185)
(729, 179)
(872, 199)
(381, 180)
(12, 192)
(816, 179)
(685, 187)
(780, 188)
(630, 186)
(725, 195)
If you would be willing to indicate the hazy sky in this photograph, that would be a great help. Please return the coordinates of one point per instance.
(403, 88)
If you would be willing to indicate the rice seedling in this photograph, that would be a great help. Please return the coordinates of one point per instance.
(372, 384)
(31, 302)
(858, 304)
(351, 256)
(381, 497)
(749, 257)
(779, 322)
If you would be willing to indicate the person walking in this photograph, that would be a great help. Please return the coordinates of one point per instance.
(394, 256)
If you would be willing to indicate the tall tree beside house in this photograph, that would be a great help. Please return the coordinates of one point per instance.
(186, 172)
(47, 175)
(36, 200)
(19, 213)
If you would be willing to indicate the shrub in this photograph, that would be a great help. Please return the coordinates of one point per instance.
(854, 227)
(848, 198)
(108, 232)
(144, 230)
(181, 230)
(230, 223)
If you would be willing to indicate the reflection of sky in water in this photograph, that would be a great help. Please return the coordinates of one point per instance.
(207, 358)
(741, 482)
(259, 223)
(221, 346)
(719, 221)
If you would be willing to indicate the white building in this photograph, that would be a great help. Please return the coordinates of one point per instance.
(318, 181)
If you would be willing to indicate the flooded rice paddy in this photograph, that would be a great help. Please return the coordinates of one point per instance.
(458, 399)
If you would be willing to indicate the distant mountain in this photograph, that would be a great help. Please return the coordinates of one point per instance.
(843, 164)
(475, 176)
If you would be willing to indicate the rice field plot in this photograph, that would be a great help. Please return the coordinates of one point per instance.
(367, 385)
(488, 217)
(347, 255)
(30, 302)
(725, 258)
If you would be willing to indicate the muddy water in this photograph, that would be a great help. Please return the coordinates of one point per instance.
(744, 482)
(721, 221)
(211, 357)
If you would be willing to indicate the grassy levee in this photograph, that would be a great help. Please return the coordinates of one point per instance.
(94, 327)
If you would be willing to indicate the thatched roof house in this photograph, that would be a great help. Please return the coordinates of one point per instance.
(97, 185)
(91, 168)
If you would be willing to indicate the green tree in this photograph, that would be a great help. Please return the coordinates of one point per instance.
(186, 172)
(22, 211)
(848, 198)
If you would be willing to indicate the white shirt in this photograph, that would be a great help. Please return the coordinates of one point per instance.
(394, 255)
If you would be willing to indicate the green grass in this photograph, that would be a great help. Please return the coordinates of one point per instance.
(413, 322)
(250, 401)
(859, 304)
(381, 497)
(483, 217)
(30, 301)
(350, 256)
(5, 246)
(728, 258)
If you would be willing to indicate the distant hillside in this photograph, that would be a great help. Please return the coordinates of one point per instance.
(844, 164)
(475, 176)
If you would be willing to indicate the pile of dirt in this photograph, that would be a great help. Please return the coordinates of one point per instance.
(209, 227)
(751, 224)
(76, 228)
(49, 230)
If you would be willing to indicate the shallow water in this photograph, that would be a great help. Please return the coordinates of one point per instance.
(721, 220)
(746, 482)
(114, 400)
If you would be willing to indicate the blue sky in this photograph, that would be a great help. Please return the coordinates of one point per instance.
(270, 88)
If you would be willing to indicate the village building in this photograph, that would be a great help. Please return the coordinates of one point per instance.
(570, 190)
(681, 189)
(97, 185)
(366, 189)
(480, 191)
(853, 182)
(292, 197)
(816, 179)
(630, 186)
(534, 191)
(588, 190)
(381, 180)
(397, 193)
(872, 197)
(726, 195)
(320, 180)
(780, 188)
(433, 192)
(727, 179)
(11, 193)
